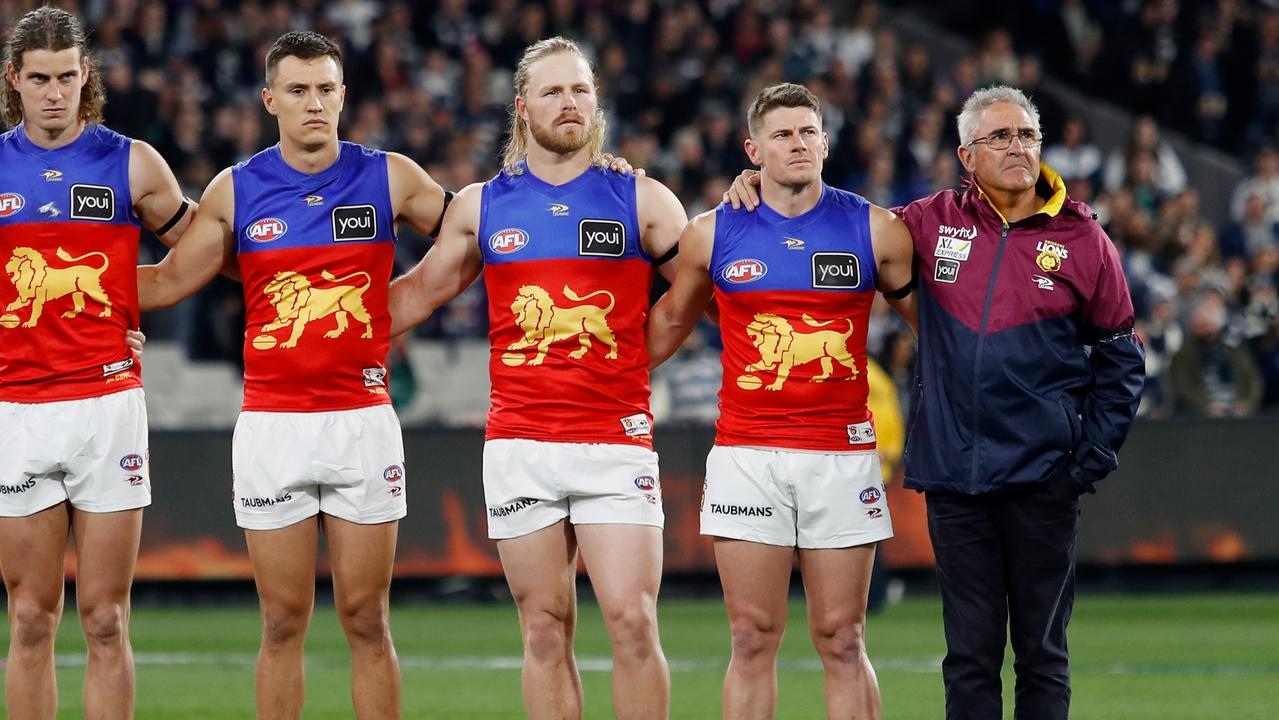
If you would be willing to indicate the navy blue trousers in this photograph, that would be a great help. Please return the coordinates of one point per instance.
(1006, 567)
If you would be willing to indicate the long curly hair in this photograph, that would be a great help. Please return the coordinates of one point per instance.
(49, 28)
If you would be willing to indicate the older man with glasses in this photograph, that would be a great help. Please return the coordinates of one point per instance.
(1029, 377)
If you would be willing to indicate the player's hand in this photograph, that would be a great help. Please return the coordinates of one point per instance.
(744, 191)
(135, 340)
(620, 164)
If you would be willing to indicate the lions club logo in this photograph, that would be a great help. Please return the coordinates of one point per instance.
(782, 347)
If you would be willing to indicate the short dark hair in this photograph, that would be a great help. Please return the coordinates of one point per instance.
(304, 45)
(782, 95)
(47, 28)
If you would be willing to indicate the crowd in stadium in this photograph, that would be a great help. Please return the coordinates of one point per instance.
(433, 81)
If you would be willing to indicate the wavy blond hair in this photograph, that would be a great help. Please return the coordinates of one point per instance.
(517, 131)
(49, 28)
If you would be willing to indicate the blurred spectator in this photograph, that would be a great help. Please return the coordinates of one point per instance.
(1169, 173)
(1074, 157)
(1264, 182)
(1212, 374)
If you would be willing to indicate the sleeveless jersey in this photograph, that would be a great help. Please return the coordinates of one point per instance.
(568, 293)
(794, 297)
(69, 244)
(316, 254)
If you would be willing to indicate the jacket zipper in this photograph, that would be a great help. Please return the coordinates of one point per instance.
(981, 342)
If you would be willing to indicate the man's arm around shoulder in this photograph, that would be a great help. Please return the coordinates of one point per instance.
(675, 315)
(450, 266)
(207, 245)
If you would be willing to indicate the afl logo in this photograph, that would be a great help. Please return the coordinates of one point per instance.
(744, 271)
(395, 473)
(508, 240)
(646, 483)
(267, 230)
(10, 203)
(131, 462)
(870, 495)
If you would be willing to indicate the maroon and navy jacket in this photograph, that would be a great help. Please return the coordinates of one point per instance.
(1028, 365)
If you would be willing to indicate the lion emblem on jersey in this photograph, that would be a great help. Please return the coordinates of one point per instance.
(544, 323)
(782, 348)
(37, 283)
(297, 302)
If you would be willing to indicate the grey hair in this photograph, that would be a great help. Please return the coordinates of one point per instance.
(982, 99)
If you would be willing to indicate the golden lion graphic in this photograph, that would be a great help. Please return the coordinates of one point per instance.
(37, 283)
(545, 323)
(781, 348)
(297, 303)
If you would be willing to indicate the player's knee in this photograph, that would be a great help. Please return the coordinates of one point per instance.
(840, 640)
(367, 623)
(756, 638)
(104, 623)
(33, 624)
(284, 624)
(633, 628)
(546, 635)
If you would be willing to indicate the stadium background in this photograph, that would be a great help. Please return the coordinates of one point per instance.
(1163, 115)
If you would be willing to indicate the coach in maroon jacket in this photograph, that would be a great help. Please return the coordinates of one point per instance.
(1029, 377)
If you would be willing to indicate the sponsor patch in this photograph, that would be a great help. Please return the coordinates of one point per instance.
(836, 270)
(116, 367)
(261, 502)
(51, 209)
(1044, 283)
(744, 510)
(11, 203)
(745, 270)
(512, 508)
(637, 425)
(131, 462)
(375, 377)
(21, 487)
(508, 240)
(647, 483)
(947, 270)
(601, 238)
(266, 230)
(353, 223)
(862, 433)
(953, 248)
(394, 473)
(92, 202)
(870, 495)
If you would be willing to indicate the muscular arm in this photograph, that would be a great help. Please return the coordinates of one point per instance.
(156, 194)
(675, 314)
(895, 255)
(662, 219)
(202, 250)
(449, 267)
(415, 197)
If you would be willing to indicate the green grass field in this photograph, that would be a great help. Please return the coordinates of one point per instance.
(1182, 657)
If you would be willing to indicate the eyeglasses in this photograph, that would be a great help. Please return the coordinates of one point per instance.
(1003, 139)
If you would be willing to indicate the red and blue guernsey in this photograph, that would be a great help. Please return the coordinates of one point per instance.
(794, 297)
(568, 289)
(69, 243)
(316, 254)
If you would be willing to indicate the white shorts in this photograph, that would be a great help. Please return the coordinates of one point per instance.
(289, 466)
(795, 498)
(530, 484)
(92, 452)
